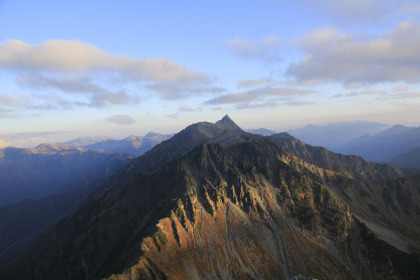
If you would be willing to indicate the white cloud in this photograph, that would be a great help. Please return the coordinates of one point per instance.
(27, 139)
(245, 97)
(271, 103)
(352, 85)
(60, 64)
(248, 105)
(401, 88)
(54, 101)
(7, 113)
(254, 82)
(369, 92)
(186, 108)
(98, 95)
(300, 83)
(352, 12)
(338, 57)
(121, 119)
(179, 90)
(80, 57)
(8, 100)
(374, 91)
(266, 48)
(299, 103)
(410, 95)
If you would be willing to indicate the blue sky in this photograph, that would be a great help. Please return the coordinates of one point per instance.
(115, 68)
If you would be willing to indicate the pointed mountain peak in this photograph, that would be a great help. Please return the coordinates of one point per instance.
(226, 123)
(226, 117)
(151, 134)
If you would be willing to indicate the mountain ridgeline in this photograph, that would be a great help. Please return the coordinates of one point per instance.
(133, 145)
(408, 159)
(335, 136)
(385, 146)
(397, 145)
(215, 202)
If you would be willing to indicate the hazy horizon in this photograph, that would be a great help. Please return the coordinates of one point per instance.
(33, 139)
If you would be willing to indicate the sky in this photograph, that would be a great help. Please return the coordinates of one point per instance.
(118, 68)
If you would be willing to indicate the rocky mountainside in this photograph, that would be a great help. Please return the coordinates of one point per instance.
(48, 169)
(212, 203)
(133, 145)
(379, 186)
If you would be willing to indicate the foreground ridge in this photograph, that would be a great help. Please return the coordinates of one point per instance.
(213, 203)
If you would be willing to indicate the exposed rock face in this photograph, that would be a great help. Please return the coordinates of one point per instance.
(216, 204)
(239, 219)
(378, 196)
(265, 223)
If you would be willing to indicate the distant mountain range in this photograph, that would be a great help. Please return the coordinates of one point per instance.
(261, 131)
(133, 145)
(409, 159)
(216, 202)
(385, 146)
(41, 185)
(84, 141)
(333, 136)
(49, 169)
(372, 141)
(63, 175)
(394, 130)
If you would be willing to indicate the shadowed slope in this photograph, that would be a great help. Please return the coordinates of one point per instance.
(194, 208)
(47, 169)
